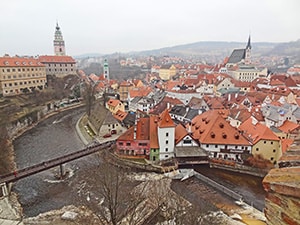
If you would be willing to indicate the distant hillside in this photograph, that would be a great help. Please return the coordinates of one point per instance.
(206, 48)
(289, 49)
(215, 51)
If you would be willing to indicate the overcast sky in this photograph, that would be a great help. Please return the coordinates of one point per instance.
(97, 26)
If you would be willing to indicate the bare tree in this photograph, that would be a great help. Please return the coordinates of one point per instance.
(89, 97)
(118, 202)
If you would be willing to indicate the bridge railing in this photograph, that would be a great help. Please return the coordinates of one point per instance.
(18, 174)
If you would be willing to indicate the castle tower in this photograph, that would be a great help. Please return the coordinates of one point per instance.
(248, 52)
(59, 43)
(106, 69)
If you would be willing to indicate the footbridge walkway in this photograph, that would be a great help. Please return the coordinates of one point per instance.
(59, 161)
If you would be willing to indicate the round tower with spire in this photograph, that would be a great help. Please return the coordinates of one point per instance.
(59, 43)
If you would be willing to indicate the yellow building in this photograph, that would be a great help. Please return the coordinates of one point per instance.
(21, 75)
(167, 72)
(114, 105)
(265, 142)
(124, 89)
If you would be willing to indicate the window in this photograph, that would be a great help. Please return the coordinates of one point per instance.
(120, 143)
(167, 142)
(166, 156)
(265, 142)
(271, 142)
(216, 146)
(128, 144)
(257, 149)
(187, 141)
(167, 134)
(167, 149)
(274, 150)
(272, 158)
(207, 146)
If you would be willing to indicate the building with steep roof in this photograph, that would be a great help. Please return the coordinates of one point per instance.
(218, 138)
(166, 135)
(20, 75)
(264, 142)
(135, 142)
(240, 55)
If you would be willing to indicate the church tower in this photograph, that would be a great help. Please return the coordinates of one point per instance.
(106, 69)
(59, 43)
(248, 52)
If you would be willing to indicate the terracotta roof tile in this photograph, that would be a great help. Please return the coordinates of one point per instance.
(113, 102)
(165, 120)
(257, 131)
(212, 128)
(19, 62)
(120, 115)
(288, 126)
(180, 133)
(142, 129)
(56, 59)
(153, 132)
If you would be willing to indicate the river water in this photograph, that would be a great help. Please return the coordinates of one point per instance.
(57, 136)
(51, 138)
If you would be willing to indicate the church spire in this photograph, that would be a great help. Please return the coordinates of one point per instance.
(249, 42)
(248, 51)
(59, 43)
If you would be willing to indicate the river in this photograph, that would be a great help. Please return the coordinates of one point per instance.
(51, 138)
(57, 136)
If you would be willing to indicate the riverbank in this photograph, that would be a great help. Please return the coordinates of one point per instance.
(77, 188)
(10, 207)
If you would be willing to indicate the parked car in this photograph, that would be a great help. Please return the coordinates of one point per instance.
(107, 135)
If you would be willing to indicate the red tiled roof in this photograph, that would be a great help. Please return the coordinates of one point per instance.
(165, 120)
(139, 92)
(212, 128)
(153, 132)
(113, 102)
(93, 77)
(120, 115)
(142, 129)
(19, 62)
(286, 144)
(257, 131)
(288, 126)
(127, 135)
(180, 133)
(125, 83)
(56, 59)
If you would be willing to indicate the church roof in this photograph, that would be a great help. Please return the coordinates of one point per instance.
(237, 55)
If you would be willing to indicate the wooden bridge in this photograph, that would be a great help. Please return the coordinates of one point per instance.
(22, 173)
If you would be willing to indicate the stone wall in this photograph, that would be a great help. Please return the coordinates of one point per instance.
(282, 206)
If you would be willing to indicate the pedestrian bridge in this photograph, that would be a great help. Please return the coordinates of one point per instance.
(28, 171)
